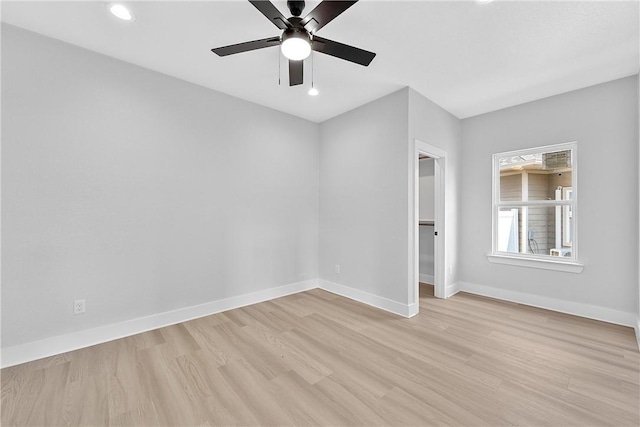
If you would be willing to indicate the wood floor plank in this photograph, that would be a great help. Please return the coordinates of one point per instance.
(41, 399)
(174, 403)
(309, 368)
(255, 393)
(351, 406)
(304, 404)
(225, 405)
(124, 393)
(84, 402)
(144, 415)
(315, 358)
(421, 406)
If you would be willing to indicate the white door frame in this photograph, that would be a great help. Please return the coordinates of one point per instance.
(440, 156)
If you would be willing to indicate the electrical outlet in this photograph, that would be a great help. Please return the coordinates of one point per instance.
(337, 268)
(78, 306)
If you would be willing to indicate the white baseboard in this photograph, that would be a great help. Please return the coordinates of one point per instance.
(637, 328)
(427, 278)
(569, 307)
(405, 310)
(34, 350)
(452, 289)
(412, 309)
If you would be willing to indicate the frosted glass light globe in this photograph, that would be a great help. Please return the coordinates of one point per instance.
(295, 48)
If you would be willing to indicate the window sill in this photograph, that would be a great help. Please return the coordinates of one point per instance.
(544, 264)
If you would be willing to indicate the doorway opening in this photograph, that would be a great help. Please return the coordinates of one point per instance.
(426, 226)
(427, 222)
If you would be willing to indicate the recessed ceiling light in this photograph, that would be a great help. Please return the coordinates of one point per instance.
(313, 91)
(484, 1)
(121, 11)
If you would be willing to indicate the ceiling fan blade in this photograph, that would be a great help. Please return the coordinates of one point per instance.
(324, 13)
(272, 13)
(246, 46)
(342, 51)
(296, 72)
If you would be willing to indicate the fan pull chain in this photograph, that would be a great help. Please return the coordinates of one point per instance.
(313, 91)
(279, 66)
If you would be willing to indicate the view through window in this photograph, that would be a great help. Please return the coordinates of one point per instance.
(534, 203)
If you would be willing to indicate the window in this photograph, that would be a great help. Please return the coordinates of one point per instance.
(534, 208)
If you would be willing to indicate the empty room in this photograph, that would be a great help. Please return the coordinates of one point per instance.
(320, 213)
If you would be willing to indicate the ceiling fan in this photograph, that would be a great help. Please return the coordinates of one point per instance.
(298, 37)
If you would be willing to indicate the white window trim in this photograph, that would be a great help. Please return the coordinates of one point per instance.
(540, 263)
(572, 265)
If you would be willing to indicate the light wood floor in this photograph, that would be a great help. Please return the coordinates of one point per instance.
(318, 359)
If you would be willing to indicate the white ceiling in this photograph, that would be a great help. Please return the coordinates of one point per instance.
(467, 57)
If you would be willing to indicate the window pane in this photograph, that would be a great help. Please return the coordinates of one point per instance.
(548, 186)
(537, 230)
(541, 231)
(567, 218)
(537, 176)
(511, 187)
(509, 230)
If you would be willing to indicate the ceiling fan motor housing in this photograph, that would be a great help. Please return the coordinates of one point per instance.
(299, 33)
(296, 7)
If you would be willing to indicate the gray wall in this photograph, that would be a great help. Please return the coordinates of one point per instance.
(366, 179)
(433, 125)
(140, 192)
(364, 198)
(143, 193)
(603, 119)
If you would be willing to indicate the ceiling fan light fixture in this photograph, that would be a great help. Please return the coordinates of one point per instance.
(298, 37)
(313, 92)
(295, 44)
